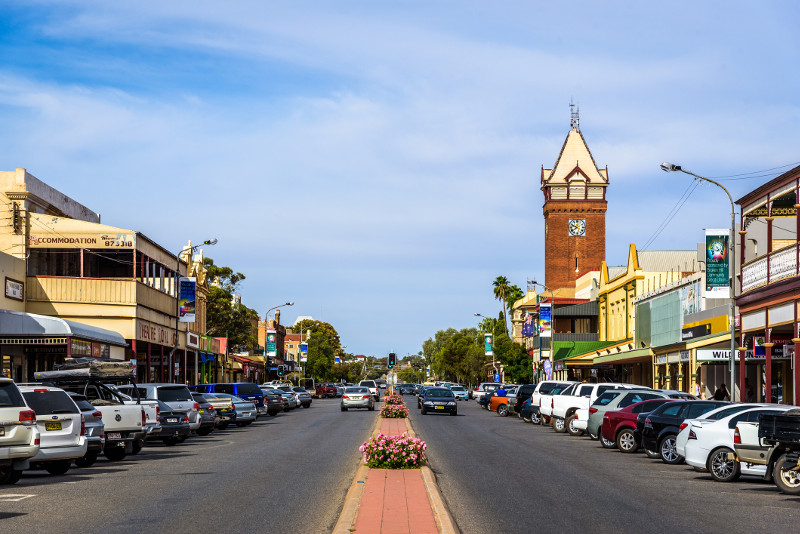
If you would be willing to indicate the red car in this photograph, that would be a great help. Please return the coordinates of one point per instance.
(325, 390)
(620, 425)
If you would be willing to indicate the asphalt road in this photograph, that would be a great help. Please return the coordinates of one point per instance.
(281, 474)
(501, 475)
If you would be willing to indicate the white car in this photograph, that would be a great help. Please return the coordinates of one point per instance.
(581, 419)
(19, 435)
(373, 388)
(545, 387)
(713, 415)
(61, 428)
(709, 444)
(546, 399)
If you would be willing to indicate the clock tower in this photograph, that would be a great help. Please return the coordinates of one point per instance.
(574, 213)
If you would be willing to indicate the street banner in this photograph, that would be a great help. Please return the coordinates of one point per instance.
(303, 352)
(272, 343)
(187, 297)
(487, 344)
(545, 320)
(717, 264)
(548, 369)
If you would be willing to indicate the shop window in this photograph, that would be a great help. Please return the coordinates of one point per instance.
(54, 262)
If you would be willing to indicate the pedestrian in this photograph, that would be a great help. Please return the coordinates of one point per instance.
(501, 392)
(696, 389)
(721, 393)
(702, 391)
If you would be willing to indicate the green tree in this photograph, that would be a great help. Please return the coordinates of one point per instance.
(320, 358)
(514, 294)
(501, 291)
(320, 327)
(223, 317)
(516, 362)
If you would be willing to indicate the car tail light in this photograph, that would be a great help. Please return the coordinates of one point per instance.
(196, 406)
(592, 410)
(37, 441)
(684, 425)
(39, 390)
(83, 426)
(185, 418)
(737, 438)
(365, 397)
(692, 435)
(552, 403)
(345, 397)
(98, 414)
(158, 411)
(144, 418)
(27, 416)
(648, 422)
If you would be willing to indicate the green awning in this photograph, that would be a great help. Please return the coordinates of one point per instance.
(625, 355)
(563, 350)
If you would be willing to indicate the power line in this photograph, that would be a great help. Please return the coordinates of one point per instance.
(672, 213)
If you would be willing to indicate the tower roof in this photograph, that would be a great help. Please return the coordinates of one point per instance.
(575, 161)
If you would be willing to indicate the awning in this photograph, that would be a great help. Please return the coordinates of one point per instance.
(31, 325)
(249, 360)
(630, 356)
(565, 350)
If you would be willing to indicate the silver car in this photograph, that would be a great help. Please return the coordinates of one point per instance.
(177, 396)
(245, 410)
(95, 430)
(357, 397)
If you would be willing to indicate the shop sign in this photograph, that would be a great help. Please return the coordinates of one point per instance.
(15, 289)
(722, 355)
(155, 334)
(192, 340)
(673, 357)
(661, 359)
(558, 366)
(695, 331)
(686, 355)
(78, 347)
(82, 240)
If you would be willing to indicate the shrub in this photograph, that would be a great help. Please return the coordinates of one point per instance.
(394, 452)
(393, 399)
(393, 411)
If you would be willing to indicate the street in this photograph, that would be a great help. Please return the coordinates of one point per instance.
(287, 473)
(500, 475)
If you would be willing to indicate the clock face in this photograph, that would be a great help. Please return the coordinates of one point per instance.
(577, 227)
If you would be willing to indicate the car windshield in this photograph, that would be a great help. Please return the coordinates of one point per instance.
(10, 395)
(174, 394)
(558, 388)
(367, 383)
(457, 388)
(606, 398)
(50, 402)
(356, 390)
(248, 389)
(298, 389)
(437, 392)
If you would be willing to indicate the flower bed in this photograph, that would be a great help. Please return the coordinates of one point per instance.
(393, 399)
(394, 452)
(394, 411)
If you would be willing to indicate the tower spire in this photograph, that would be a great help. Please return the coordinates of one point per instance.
(574, 116)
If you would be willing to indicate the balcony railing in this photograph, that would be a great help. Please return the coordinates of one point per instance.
(777, 265)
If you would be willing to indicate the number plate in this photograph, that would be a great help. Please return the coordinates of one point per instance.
(172, 419)
(440, 407)
(52, 426)
(113, 435)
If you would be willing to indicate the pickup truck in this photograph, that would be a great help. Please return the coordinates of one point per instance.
(773, 441)
(152, 413)
(563, 407)
(544, 387)
(545, 400)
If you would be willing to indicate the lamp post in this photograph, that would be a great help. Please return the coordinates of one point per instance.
(534, 283)
(174, 352)
(669, 167)
(494, 364)
(266, 315)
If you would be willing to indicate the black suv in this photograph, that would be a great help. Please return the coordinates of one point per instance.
(662, 425)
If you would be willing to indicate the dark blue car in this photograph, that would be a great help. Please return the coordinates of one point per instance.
(244, 390)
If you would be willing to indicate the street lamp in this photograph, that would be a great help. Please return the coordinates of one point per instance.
(174, 352)
(494, 365)
(266, 315)
(534, 283)
(669, 167)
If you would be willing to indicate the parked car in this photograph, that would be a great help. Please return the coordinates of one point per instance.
(564, 405)
(460, 392)
(662, 425)
(245, 409)
(615, 399)
(373, 388)
(274, 399)
(544, 387)
(177, 396)
(19, 434)
(243, 390)
(174, 425)
(357, 397)
(619, 426)
(302, 396)
(713, 415)
(224, 408)
(208, 415)
(60, 425)
(438, 399)
(484, 388)
(782, 433)
(710, 444)
(94, 430)
(546, 400)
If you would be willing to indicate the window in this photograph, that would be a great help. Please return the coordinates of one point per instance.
(50, 402)
(585, 390)
(223, 388)
(174, 394)
(10, 395)
(673, 409)
(606, 398)
(696, 409)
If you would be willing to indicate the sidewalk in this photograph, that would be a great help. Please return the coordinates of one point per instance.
(394, 501)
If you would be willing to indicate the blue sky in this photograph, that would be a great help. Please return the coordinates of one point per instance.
(378, 163)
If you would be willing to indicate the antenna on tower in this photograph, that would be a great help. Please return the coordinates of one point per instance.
(574, 116)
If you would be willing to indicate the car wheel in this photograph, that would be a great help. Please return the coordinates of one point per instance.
(59, 467)
(169, 442)
(536, 418)
(571, 426)
(9, 475)
(286, 409)
(559, 425)
(669, 450)
(203, 431)
(86, 461)
(454, 412)
(626, 442)
(722, 465)
(502, 410)
(652, 454)
(344, 408)
(223, 426)
(307, 405)
(273, 413)
(136, 446)
(115, 454)
(607, 443)
(423, 411)
(786, 476)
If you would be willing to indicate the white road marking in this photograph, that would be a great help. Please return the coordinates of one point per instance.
(14, 497)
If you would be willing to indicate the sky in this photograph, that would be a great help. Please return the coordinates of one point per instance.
(378, 163)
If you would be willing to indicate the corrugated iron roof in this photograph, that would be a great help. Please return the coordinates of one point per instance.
(667, 260)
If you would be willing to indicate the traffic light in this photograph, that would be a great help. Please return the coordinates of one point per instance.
(392, 359)
(280, 370)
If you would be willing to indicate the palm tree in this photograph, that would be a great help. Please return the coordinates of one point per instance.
(501, 290)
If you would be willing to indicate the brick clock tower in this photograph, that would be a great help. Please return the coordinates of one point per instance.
(574, 213)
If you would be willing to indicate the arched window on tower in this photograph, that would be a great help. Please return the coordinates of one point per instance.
(576, 263)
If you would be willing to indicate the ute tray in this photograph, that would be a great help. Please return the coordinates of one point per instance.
(780, 428)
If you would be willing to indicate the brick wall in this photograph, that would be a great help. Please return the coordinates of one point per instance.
(561, 248)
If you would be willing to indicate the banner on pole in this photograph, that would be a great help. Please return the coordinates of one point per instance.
(187, 297)
(545, 319)
(717, 264)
